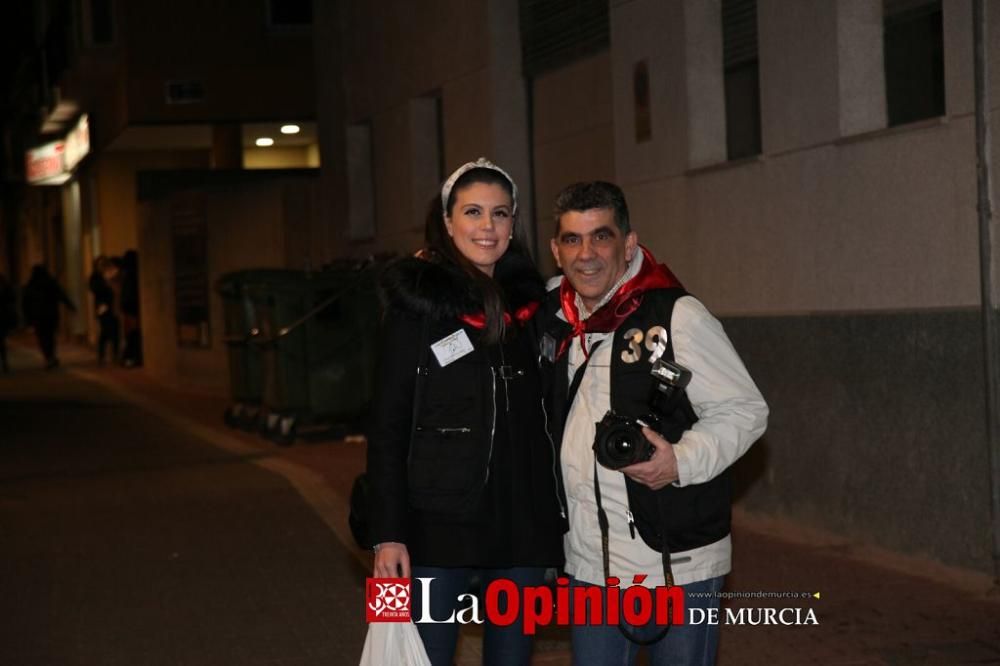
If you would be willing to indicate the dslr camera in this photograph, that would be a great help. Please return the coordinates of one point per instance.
(619, 441)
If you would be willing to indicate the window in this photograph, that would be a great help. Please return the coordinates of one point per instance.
(640, 102)
(741, 78)
(289, 13)
(914, 60)
(98, 22)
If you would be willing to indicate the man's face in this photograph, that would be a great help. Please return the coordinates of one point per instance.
(592, 252)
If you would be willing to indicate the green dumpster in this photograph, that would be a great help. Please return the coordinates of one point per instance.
(317, 343)
(246, 385)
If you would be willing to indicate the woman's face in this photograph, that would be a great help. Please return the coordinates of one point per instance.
(481, 223)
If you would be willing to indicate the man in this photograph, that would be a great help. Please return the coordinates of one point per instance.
(616, 313)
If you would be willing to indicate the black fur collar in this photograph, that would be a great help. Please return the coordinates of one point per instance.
(440, 289)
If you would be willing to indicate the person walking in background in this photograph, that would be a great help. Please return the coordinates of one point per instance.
(129, 305)
(8, 318)
(41, 298)
(104, 307)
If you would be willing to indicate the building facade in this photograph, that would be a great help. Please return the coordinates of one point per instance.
(180, 88)
(807, 168)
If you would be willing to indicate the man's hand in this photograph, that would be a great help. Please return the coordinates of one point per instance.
(658, 471)
(392, 560)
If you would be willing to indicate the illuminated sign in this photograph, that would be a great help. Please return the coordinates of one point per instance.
(77, 143)
(44, 165)
(53, 163)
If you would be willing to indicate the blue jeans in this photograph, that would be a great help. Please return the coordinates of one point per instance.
(687, 644)
(502, 646)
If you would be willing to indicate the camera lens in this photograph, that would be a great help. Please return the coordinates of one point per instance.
(619, 441)
(620, 444)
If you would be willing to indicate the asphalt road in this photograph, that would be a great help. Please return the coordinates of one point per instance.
(132, 538)
(125, 540)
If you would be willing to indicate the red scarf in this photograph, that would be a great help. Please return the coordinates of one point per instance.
(477, 320)
(625, 301)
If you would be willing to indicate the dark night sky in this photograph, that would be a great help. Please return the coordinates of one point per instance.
(15, 41)
(15, 48)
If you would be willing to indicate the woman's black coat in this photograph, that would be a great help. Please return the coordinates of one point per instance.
(461, 467)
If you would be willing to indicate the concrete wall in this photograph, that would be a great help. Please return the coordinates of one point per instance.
(845, 259)
(114, 211)
(890, 214)
(465, 53)
(249, 72)
(266, 223)
(573, 136)
(876, 430)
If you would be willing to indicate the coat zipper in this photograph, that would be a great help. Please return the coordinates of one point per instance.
(445, 431)
(555, 459)
(493, 426)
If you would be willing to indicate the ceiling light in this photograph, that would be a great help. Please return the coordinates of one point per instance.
(290, 129)
(264, 141)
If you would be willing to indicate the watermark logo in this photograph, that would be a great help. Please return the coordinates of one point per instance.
(504, 603)
(387, 599)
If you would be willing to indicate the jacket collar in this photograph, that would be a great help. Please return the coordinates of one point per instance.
(438, 288)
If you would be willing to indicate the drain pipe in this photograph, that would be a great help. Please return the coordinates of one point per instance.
(987, 269)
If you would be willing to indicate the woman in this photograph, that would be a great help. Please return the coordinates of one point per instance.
(128, 302)
(104, 308)
(462, 472)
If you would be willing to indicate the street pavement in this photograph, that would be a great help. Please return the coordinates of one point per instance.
(137, 529)
(127, 541)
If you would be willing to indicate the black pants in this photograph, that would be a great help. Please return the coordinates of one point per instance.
(46, 334)
(109, 336)
(132, 353)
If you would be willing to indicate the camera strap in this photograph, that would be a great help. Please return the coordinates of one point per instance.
(602, 516)
(668, 575)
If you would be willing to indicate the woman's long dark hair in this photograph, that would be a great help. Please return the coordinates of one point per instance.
(441, 244)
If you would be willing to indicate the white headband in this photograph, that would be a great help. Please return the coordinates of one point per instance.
(481, 163)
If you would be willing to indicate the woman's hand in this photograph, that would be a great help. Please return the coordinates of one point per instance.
(392, 560)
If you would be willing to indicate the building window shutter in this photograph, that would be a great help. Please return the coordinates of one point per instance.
(557, 32)
(742, 78)
(914, 60)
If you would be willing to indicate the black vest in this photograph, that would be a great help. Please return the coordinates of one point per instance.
(692, 516)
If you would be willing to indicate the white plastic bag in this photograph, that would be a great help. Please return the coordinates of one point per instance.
(394, 644)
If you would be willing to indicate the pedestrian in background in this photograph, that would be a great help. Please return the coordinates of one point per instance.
(40, 299)
(462, 476)
(104, 307)
(129, 306)
(8, 318)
